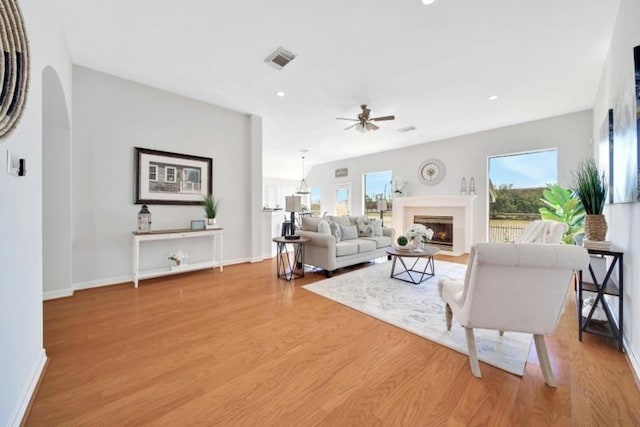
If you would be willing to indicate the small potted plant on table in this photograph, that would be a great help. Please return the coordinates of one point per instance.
(210, 206)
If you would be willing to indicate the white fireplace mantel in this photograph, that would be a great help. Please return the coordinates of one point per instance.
(458, 207)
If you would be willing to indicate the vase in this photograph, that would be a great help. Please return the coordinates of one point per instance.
(211, 221)
(595, 227)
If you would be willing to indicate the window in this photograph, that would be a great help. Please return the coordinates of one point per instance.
(377, 186)
(516, 183)
(314, 202)
(153, 173)
(190, 180)
(170, 174)
(343, 199)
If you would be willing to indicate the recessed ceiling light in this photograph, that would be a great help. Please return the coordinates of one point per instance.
(280, 93)
(427, 1)
(493, 97)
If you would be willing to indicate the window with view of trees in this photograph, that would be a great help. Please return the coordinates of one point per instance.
(377, 186)
(516, 183)
(314, 201)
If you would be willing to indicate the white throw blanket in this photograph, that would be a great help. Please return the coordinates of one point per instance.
(541, 231)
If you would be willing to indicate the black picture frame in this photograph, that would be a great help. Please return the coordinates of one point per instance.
(165, 178)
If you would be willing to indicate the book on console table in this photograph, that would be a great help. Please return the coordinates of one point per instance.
(596, 244)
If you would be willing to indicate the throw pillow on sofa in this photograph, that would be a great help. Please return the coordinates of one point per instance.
(376, 224)
(323, 227)
(336, 232)
(365, 227)
(342, 221)
(349, 233)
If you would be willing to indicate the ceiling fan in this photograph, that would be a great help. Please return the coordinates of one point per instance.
(364, 121)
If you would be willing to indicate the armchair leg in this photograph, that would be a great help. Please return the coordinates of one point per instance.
(543, 357)
(501, 333)
(448, 315)
(473, 353)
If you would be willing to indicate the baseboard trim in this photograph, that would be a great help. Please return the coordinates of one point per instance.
(126, 279)
(634, 362)
(62, 293)
(24, 403)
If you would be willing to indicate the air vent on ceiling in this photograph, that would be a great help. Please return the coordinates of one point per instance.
(407, 129)
(280, 58)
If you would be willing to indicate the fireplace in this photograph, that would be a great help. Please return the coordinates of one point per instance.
(442, 227)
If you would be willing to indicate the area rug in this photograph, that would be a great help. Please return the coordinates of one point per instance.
(418, 309)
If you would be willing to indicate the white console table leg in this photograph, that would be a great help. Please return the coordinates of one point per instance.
(136, 261)
(220, 243)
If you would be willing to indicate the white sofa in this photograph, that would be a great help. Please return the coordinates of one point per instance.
(323, 251)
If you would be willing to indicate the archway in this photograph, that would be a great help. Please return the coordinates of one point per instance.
(56, 189)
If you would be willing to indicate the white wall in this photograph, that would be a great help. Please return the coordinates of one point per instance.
(21, 352)
(111, 116)
(623, 219)
(464, 156)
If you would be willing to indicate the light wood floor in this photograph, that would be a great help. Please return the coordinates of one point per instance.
(243, 348)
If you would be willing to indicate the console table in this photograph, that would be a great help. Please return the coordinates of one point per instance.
(610, 286)
(215, 233)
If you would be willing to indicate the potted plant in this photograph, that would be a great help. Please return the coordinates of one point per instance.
(562, 205)
(591, 188)
(210, 206)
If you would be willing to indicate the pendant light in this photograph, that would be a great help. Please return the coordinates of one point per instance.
(303, 188)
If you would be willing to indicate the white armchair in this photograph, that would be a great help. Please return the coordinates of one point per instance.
(543, 231)
(516, 287)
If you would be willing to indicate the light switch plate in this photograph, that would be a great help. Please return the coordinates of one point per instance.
(13, 163)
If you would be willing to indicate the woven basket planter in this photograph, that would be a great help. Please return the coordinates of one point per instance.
(595, 227)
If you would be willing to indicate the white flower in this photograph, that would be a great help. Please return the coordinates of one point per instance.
(419, 233)
(177, 256)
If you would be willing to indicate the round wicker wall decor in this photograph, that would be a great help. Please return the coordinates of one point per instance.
(14, 65)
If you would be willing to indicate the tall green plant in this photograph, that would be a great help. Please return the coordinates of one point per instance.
(210, 206)
(562, 205)
(590, 186)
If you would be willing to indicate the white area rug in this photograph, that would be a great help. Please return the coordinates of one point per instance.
(419, 310)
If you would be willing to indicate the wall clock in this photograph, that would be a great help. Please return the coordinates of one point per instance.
(431, 172)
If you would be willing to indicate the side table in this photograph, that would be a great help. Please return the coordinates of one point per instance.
(290, 266)
(610, 286)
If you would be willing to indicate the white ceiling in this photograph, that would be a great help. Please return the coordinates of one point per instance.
(434, 66)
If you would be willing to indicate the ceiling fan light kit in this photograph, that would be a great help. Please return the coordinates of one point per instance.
(364, 124)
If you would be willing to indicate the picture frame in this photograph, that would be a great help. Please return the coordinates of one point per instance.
(165, 178)
(342, 172)
(198, 224)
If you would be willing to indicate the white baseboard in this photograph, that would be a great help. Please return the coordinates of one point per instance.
(62, 293)
(29, 389)
(633, 360)
(103, 282)
(125, 279)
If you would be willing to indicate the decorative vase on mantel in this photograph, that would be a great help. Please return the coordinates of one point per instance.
(595, 227)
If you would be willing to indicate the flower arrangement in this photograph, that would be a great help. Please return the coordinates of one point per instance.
(418, 233)
(177, 256)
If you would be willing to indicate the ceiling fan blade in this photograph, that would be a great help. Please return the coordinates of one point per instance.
(379, 119)
(371, 126)
(351, 120)
(352, 126)
(360, 128)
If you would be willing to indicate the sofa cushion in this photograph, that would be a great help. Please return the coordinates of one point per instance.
(336, 231)
(310, 223)
(365, 228)
(342, 221)
(349, 247)
(349, 233)
(380, 241)
(377, 227)
(366, 245)
(323, 227)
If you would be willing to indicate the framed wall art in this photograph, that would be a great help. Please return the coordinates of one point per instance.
(163, 178)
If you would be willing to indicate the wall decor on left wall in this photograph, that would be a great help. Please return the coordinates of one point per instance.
(15, 65)
(164, 178)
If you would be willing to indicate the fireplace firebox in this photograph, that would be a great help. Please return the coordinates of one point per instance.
(442, 227)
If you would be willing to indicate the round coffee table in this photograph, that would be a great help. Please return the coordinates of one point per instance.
(410, 274)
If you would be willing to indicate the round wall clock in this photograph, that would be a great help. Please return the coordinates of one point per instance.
(431, 171)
